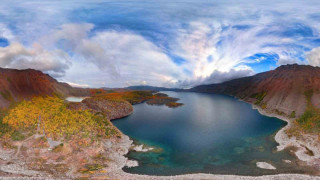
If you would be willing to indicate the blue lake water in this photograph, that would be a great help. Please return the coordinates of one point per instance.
(75, 99)
(209, 134)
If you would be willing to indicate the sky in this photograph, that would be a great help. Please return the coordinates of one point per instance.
(170, 43)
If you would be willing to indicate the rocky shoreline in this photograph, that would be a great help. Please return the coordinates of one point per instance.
(303, 144)
(281, 137)
(117, 148)
(115, 170)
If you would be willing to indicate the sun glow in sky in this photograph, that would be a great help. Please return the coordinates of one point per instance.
(161, 43)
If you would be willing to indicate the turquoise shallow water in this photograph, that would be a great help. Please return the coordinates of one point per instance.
(209, 134)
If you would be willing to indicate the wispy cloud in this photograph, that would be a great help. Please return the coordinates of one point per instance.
(120, 43)
(314, 57)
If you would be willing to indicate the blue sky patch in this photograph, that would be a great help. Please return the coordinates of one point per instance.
(262, 62)
(190, 33)
(4, 42)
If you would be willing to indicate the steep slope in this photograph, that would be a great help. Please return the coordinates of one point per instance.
(16, 85)
(281, 90)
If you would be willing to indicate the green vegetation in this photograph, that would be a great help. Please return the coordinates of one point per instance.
(89, 168)
(293, 114)
(163, 99)
(17, 136)
(9, 80)
(4, 128)
(310, 119)
(135, 97)
(264, 105)
(6, 95)
(277, 111)
(259, 97)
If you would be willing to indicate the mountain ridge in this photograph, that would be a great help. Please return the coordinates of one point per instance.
(281, 90)
(16, 85)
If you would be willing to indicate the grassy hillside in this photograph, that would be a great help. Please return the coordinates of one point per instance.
(49, 137)
(49, 115)
(310, 119)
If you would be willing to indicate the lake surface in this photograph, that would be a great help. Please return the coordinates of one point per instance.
(75, 99)
(209, 134)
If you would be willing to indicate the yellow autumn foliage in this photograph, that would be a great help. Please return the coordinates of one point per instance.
(55, 119)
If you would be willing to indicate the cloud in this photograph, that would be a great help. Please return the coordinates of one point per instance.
(77, 85)
(211, 48)
(124, 56)
(313, 57)
(215, 46)
(134, 56)
(6, 33)
(217, 77)
(170, 44)
(17, 56)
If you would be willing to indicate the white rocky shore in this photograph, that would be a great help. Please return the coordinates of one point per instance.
(141, 148)
(281, 137)
(265, 165)
(115, 171)
(117, 148)
(304, 143)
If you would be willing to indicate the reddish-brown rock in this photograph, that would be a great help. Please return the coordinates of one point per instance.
(284, 88)
(112, 109)
(16, 85)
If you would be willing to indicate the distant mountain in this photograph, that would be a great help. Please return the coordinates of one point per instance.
(152, 88)
(16, 85)
(282, 90)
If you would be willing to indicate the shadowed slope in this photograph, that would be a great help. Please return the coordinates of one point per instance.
(16, 85)
(281, 90)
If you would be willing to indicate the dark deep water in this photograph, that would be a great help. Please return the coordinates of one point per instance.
(209, 134)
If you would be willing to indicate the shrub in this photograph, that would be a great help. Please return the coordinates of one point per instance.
(4, 127)
(53, 118)
(259, 97)
(17, 136)
(6, 95)
(293, 114)
(310, 119)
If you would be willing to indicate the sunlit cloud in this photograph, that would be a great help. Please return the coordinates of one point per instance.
(17, 56)
(171, 44)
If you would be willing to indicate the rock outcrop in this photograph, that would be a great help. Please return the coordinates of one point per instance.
(113, 109)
